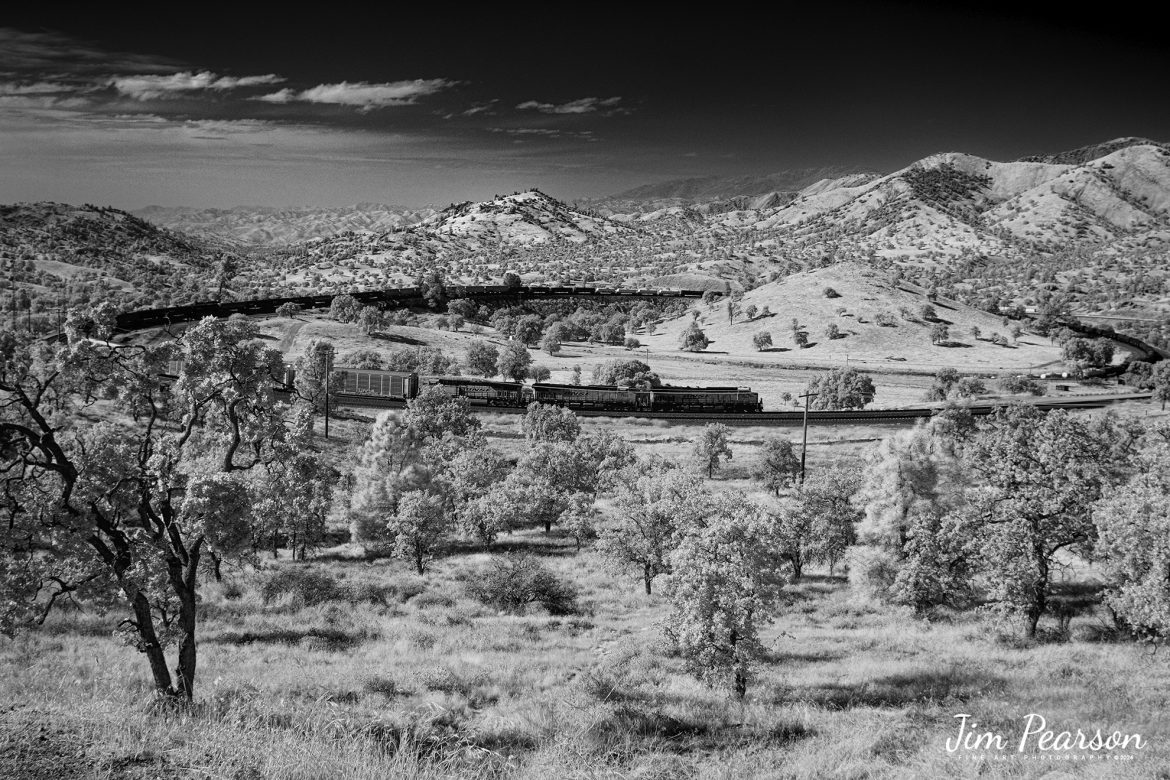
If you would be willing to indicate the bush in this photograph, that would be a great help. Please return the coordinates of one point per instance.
(232, 591)
(387, 686)
(871, 573)
(1018, 385)
(831, 293)
(305, 586)
(308, 588)
(431, 599)
(514, 582)
(406, 588)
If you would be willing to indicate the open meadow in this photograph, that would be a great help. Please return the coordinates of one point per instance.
(351, 666)
(396, 675)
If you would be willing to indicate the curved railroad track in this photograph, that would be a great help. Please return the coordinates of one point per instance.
(849, 417)
(130, 322)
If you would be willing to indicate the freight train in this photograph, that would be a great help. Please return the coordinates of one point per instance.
(392, 296)
(404, 386)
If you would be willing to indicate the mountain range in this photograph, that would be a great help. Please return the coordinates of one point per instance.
(270, 226)
(1090, 226)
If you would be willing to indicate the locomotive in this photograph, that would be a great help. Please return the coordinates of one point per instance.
(404, 386)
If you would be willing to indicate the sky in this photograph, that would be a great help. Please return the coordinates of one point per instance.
(223, 105)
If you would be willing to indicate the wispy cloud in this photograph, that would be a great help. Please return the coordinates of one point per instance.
(586, 105)
(152, 87)
(362, 94)
(52, 52)
(543, 132)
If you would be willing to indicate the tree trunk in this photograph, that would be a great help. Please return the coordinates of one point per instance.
(216, 564)
(150, 646)
(275, 543)
(647, 576)
(739, 684)
(548, 526)
(418, 560)
(185, 671)
(1039, 593)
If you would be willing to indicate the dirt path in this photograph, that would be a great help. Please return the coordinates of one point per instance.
(290, 336)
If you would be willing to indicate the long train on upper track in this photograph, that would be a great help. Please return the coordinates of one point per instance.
(391, 296)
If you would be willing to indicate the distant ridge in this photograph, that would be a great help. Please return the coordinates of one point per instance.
(1092, 152)
(712, 188)
(272, 225)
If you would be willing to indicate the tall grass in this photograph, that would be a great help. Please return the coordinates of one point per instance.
(427, 682)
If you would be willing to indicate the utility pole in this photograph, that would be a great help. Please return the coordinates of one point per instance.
(804, 434)
(326, 358)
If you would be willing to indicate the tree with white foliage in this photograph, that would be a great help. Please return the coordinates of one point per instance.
(417, 527)
(655, 502)
(725, 581)
(1133, 529)
(712, 448)
(547, 422)
(1041, 474)
(816, 524)
(778, 466)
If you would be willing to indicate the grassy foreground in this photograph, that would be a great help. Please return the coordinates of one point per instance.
(408, 677)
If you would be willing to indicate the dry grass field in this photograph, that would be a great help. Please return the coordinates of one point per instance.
(423, 681)
(386, 674)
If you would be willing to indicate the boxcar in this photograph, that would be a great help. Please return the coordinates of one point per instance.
(388, 384)
(592, 397)
(483, 392)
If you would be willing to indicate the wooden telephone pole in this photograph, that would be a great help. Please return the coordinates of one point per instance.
(327, 359)
(804, 433)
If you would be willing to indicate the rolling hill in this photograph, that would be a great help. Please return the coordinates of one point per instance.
(268, 226)
(89, 252)
(880, 321)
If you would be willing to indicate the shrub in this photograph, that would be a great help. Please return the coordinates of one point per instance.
(232, 591)
(1020, 384)
(306, 586)
(406, 588)
(432, 599)
(512, 583)
(376, 683)
(871, 572)
(831, 293)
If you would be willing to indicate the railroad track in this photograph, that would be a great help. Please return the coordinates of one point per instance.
(870, 416)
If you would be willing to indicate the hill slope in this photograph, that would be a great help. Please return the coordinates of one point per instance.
(864, 297)
(86, 253)
(267, 226)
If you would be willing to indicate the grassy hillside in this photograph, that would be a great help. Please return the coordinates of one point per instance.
(864, 298)
(425, 682)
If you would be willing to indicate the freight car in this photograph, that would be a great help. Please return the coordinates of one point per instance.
(402, 385)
